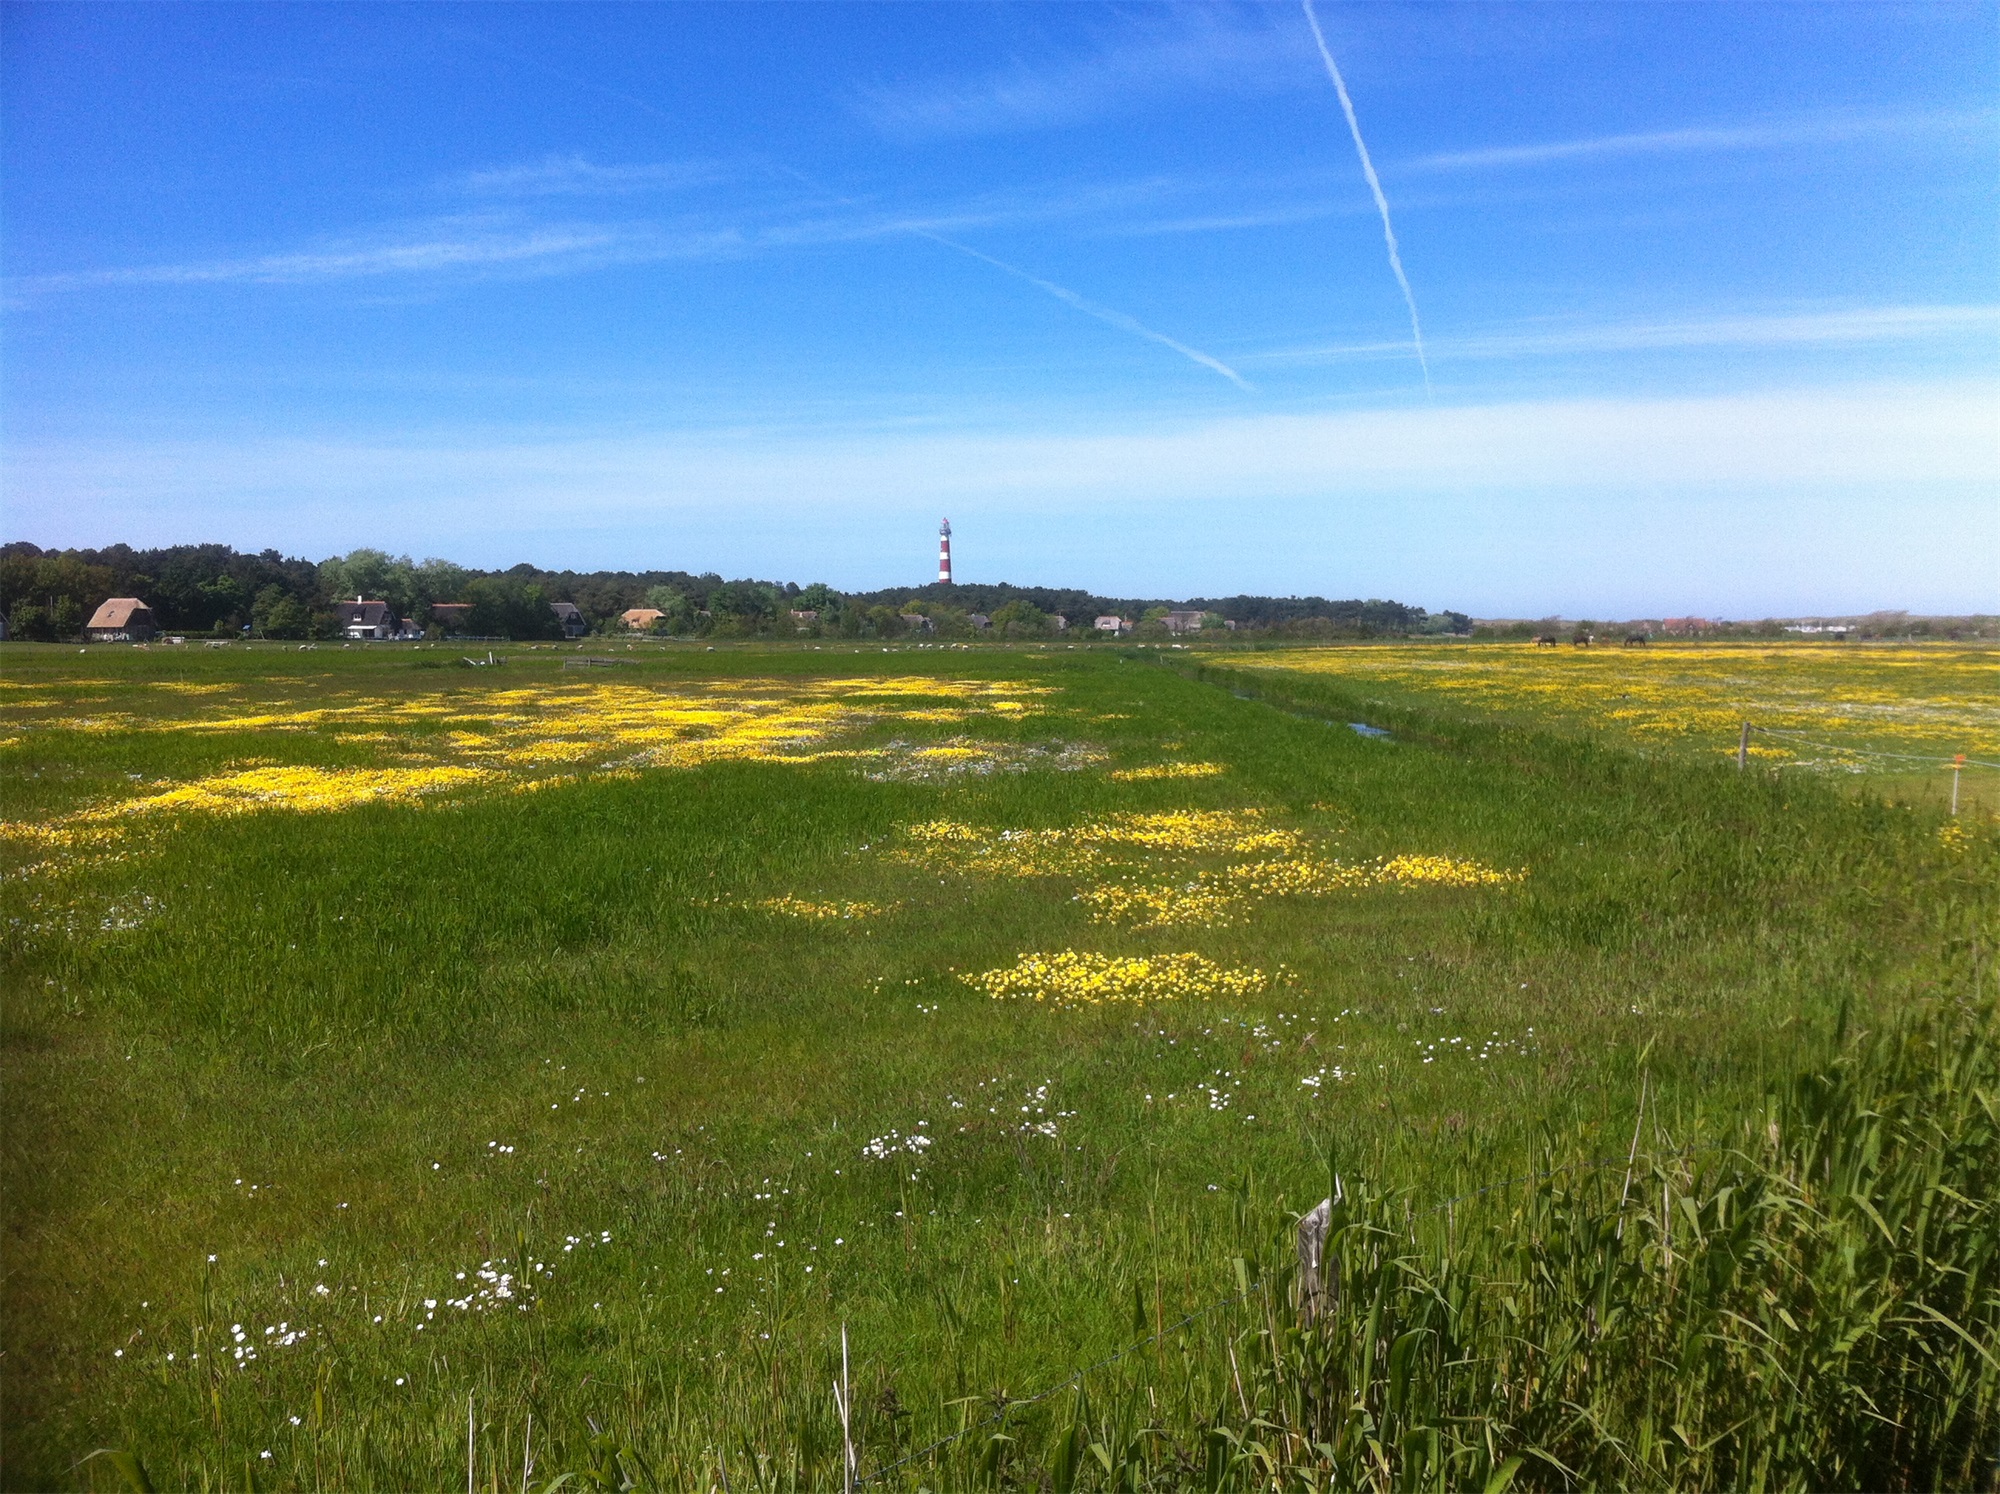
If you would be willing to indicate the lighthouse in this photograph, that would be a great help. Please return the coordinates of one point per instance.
(944, 553)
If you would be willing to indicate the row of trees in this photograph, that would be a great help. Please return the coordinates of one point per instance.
(216, 590)
(1870, 626)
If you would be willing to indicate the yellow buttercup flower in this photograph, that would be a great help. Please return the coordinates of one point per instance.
(819, 912)
(1075, 978)
(1169, 770)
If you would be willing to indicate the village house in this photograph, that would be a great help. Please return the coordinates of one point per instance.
(805, 618)
(979, 620)
(574, 623)
(121, 620)
(640, 619)
(1181, 620)
(916, 622)
(1113, 625)
(365, 621)
(451, 617)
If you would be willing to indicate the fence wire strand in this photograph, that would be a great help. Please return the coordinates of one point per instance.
(1908, 757)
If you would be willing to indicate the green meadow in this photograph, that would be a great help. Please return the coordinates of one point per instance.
(527, 1073)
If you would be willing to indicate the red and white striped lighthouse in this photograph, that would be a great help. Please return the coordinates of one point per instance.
(944, 553)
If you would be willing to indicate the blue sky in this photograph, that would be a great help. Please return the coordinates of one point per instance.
(1708, 294)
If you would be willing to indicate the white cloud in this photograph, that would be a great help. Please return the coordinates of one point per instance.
(452, 247)
(1905, 435)
(1795, 502)
(575, 176)
(509, 242)
(1196, 47)
(1877, 324)
(1771, 135)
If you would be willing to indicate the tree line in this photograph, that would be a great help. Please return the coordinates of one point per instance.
(215, 590)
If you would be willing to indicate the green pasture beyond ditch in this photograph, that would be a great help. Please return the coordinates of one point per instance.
(324, 1127)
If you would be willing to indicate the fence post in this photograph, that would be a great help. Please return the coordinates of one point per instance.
(1957, 766)
(843, 1396)
(1743, 749)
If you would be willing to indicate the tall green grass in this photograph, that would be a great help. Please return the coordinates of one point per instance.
(344, 1010)
(1812, 1303)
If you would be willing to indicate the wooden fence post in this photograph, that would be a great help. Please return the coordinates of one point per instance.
(1743, 749)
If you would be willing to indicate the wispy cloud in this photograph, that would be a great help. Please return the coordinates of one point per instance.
(1090, 308)
(1159, 56)
(1880, 324)
(1905, 435)
(510, 241)
(438, 249)
(1769, 135)
(1272, 217)
(1494, 507)
(575, 176)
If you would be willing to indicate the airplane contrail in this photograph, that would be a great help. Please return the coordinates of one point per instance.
(1375, 186)
(1104, 314)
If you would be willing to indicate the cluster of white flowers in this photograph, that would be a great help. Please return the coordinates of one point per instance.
(1494, 1046)
(497, 1290)
(1332, 1073)
(881, 1148)
(120, 917)
(277, 1336)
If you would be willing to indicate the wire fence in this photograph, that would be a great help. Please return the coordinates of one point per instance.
(1011, 1406)
(1956, 761)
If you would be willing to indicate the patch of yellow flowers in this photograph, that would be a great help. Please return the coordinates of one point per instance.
(307, 789)
(1072, 978)
(1934, 698)
(818, 912)
(1202, 903)
(955, 846)
(1204, 899)
(1168, 770)
(1441, 871)
(1217, 899)
(524, 737)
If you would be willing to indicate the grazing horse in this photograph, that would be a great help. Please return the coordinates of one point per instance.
(1547, 640)
(1635, 640)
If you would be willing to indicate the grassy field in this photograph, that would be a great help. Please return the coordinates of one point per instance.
(1888, 715)
(582, 1048)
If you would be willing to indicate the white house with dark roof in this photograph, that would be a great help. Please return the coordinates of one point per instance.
(365, 621)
